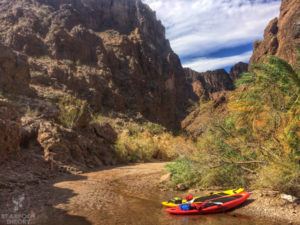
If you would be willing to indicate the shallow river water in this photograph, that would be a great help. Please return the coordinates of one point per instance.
(137, 211)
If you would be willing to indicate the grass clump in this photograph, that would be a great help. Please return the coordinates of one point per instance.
(135, 148)
(144, 141)
(73, 111)
(31, 112)
(147, 142)
(154, 128)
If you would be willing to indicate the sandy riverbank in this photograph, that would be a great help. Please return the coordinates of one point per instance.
(131, 195)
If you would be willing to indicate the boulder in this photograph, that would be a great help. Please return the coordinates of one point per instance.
(104, 131)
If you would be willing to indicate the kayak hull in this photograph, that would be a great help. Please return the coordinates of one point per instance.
(172, 205)
(227, 192)
(228, 203)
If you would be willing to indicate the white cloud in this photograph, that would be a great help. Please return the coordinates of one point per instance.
(203, 64)
(200, 27)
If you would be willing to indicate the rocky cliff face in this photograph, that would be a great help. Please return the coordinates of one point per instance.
(14, 72)
(237, 70)
(10, 130)
(113, 54)
(65, 62)
(14, 79)
(211, 87)
(282, 35)
(206, 85)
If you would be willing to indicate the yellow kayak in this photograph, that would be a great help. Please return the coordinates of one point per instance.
(177, 200)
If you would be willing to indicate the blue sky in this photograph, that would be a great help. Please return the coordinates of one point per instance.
(212, 34)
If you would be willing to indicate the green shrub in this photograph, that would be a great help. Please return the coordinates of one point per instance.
(72, 111)
(246, 78)
(31, 112)
(134, 129)
(257, 143)
(191, 173)
(184, 172)
(154, 128)
(99, 118)
(227, 176)
(282, 176)
(135, 148)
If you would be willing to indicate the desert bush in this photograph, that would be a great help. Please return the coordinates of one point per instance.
(132, 148)
(183, 171)
(282, 176)
(147, 142)
(200, 173)
(98, 118)
(257, 142)
(154, 128)
(73, 111)
(31, 112)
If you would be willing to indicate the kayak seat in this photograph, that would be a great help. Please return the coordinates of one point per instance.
(228, 199)
(176, 200)
(205, 198)
(209, 204)
(221, 201)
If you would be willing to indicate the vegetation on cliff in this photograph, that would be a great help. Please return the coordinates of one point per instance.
(142, 141)
(257, 142)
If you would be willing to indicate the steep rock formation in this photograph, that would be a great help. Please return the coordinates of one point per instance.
(90, 147)
(197, 121)
(14, 72)
(213, 88)
(14, 80)
(205, 84)
(237, 70)
(10, 130)
(85, 58)
(113, 54)
(282, 35)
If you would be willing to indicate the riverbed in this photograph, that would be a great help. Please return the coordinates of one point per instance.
(128, 195)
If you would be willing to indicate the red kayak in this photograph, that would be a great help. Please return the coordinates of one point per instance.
(216, 205)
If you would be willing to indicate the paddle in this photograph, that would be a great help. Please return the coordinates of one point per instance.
(216, 203)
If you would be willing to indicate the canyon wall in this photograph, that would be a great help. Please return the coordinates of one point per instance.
(282, 35)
